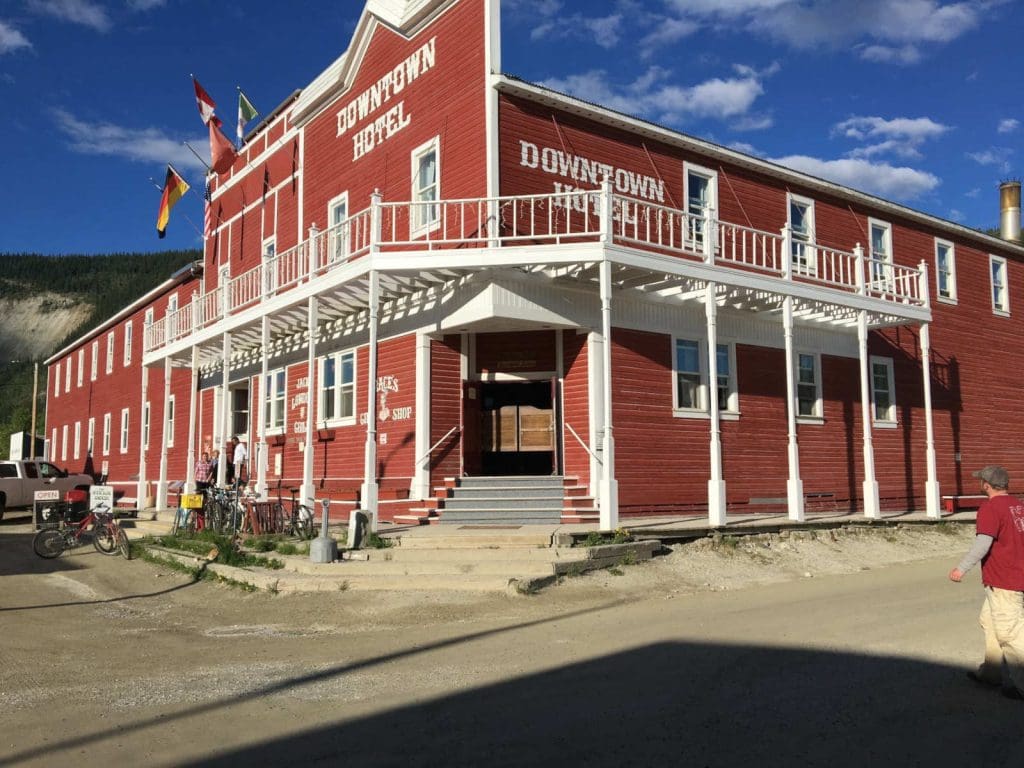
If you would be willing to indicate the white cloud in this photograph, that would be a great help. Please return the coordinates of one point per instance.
(147, 145)
(83, 12)
(603, 30)
(900, 136)
(879, 179)
(145, 5)
(11, 39)
(956, 215)
(745, 148)
(1009, 125)
(667, 31)
(883, 54)
(973, 193)
(996, 156)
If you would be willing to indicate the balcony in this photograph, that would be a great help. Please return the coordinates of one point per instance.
(654, 248)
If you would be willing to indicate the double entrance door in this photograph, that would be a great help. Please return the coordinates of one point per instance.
(516, 428)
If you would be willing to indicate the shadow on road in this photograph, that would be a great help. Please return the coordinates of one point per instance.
(19, 559)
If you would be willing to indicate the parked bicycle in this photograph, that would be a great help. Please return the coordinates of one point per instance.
(298, 518)
(107, 536)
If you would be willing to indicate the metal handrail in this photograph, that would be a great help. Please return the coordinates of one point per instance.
(586, 447)
(430, 450)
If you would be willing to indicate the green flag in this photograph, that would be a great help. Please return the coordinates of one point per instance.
(246, 112)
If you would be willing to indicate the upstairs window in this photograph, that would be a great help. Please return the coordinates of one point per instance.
(1000, 291)
(426, 188)
(110, 352)
(269, 250)
(801, 225)
(701, 192)
(67, 375)
(56, 379)
(881, 255)
(81, 368)
(94, 363)
(337, 217)
(945, 271)
(128, 343)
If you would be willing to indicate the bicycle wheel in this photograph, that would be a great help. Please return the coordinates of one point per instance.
(48, 543)
(123, 546)
(305, 527)
(104, 539)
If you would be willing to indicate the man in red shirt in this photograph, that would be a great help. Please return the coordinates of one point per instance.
(999, 545)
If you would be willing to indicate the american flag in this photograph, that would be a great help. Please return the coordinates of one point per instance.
(208, 206)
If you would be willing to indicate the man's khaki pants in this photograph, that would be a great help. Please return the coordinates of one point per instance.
(1002, 618)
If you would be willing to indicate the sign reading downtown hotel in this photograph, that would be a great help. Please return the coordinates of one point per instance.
(366, 138)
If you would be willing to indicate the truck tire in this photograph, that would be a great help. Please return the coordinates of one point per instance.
(3, 506)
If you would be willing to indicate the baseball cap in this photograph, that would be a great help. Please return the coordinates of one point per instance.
(994, 475)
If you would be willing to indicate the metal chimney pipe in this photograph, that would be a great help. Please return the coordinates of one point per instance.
(1009, 210)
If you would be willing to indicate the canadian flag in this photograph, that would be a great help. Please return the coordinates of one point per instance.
(206, 105)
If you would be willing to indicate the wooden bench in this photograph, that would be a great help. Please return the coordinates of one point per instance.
(953, 504)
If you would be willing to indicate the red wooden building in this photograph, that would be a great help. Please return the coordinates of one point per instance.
(422, 271)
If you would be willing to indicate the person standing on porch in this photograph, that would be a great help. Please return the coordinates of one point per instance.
(999, 546)
(203, 470)
(240, 458)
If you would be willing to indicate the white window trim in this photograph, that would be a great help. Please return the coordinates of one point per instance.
(110, 353)
(1004, 268)
(125, 429)
(128, 343)
(78, 440)
(819, 404)
(64, 443)
(887, 271)
(731, 410)
(53, 444)
(90, 445)
(107, 427)
(67, 374)
(811, 270)
(338, 421)
(80, 377)
(94, 365)
(712, 176)
(272, 393)
(146, 411)
(951, 299)
(169, 415)
(56, 379)
(338, 245)
(889, 423)
(417, 229)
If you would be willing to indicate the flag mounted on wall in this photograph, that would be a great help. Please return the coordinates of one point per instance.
(246, 112)
(206, 105)
(175, 188)
(222, 151)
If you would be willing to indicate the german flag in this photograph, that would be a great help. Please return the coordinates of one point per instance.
(174, 189)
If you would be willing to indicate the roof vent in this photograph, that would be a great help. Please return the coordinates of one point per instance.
(1009, 210)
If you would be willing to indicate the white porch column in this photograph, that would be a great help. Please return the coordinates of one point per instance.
(608, 488)
(262, 457)
(421, 479)
(225, 411)
(161, 486)
(931, 487)
(190, 459)
(716, 484)
(794, 485)
(368, 491)
(308, 490)
(871, 506)
(142, 488)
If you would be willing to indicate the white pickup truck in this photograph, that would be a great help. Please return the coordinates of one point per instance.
(19, 480)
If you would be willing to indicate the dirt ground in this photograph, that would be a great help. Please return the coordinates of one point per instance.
(799, 650)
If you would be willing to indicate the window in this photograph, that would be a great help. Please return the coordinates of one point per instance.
(337, 216)
(56, 379)
(169, 426)
(801, 224)
(171, 316)
(67, 375)
(426, 187)
(110, 352)
(273, 399)
(945, 271)
(240, 410)
(701, 192)
(64, 443)
(880, 255)
(94, 363)
(124, 430)
(145, 425)
(106, 434)
(338, 387)
(808, 386)
(883, 397)
(78, 440)
(1000, 294)
(128, 343)
(30, 468)
(90, 439)
(269, 250)
(81, 367)
(691, 375)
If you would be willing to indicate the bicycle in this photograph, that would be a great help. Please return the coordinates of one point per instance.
(107, 536)
(300, 520)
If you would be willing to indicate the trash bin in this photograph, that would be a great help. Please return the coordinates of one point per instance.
(78, 504)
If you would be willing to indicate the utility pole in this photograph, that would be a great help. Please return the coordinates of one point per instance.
(35, 397)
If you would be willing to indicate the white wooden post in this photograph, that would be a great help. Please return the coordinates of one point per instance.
(709, 234)
(794, 485)
(225, 411)
(142, 489)
(421, 480)
(931, 488)
(312, 246)
(161, 486)
(190, 459)
(368, 491)
(716, 483)
(608, 490)
(262, 456)
(308, 491)
(871, 505)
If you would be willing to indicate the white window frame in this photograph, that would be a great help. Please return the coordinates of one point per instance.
(694, 233)
(90, 444)
(125, 427)
(1001, 308)
(67, 374)
(107, 426)
(78, 440)
(817, 416)
(424, 218)
(128, 343)
(950, 272)
(888, 421)
(80, 377)
(146, 411)
(169, 415)
(53, 444)
(728, 410)
(880, 276)
(94, 364)
(338, 391)
(807, 264)
(56, 382)
(268, 251)
(64, 443)
(272, 397)
(110, 353)
(338, 235)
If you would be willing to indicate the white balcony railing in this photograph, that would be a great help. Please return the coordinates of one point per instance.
(552, 219)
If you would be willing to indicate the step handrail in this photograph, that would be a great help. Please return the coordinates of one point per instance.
(586, 447)
(432, 448)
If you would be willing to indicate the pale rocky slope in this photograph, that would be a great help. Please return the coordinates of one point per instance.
(33, 327)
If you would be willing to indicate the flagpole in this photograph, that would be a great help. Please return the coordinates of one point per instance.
(198, 156)
(183, 215)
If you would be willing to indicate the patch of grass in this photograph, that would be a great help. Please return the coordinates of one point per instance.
(575, 569)
(227, 551)
(598, 539)
(629, 558)
(616, 571)
(948, 528)
(229, 582)
(373, 541)
(154, 559)
(287, 548)
(343, 587)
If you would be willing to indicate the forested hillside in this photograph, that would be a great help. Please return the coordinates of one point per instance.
(37, 290)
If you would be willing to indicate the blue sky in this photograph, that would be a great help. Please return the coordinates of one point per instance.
(919, 101)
